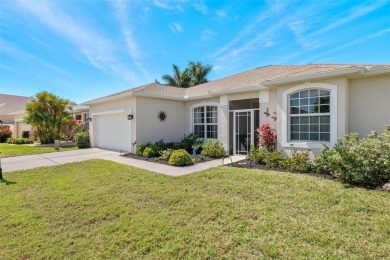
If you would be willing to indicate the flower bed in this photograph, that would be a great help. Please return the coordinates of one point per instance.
(198, 158)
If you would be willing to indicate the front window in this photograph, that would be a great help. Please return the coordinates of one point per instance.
(206, 122)
(309, 115)
(78, 117)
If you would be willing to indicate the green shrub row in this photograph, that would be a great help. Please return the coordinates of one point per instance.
(298, 161)
(13, 140)
(213, 149)
(359, 161)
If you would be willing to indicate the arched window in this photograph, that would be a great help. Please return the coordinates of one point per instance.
(205, 122)
(309, 115)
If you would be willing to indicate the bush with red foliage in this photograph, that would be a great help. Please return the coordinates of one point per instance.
(5, 133)
(267, 137)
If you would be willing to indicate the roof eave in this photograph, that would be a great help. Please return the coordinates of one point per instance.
(143, 94)
(344, 72)
(107, 99)
(237, 90)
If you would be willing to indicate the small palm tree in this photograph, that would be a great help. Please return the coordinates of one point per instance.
(198, 72)
(179, 79)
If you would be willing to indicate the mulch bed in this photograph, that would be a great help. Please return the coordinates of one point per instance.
(198, 158)
(250, 165)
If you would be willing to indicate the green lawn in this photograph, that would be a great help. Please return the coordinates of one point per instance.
(101, 209)
(11, 150)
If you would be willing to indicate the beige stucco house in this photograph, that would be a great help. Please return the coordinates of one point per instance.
(307, 104)
(12, 113)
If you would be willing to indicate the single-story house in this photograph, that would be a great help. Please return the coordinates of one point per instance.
(306, 104)
(12, 113)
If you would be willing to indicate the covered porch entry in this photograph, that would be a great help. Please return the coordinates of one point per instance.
(244, 119)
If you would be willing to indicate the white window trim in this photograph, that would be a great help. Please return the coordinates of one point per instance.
(205, 104)
(333, 116)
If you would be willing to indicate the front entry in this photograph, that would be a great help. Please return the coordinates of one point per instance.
(245, 123)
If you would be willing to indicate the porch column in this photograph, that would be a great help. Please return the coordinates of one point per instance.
(223, 121)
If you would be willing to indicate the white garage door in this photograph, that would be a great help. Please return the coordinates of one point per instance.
(112, 131)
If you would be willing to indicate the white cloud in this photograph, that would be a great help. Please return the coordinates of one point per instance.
(17, 53)
(207, 35)
(169, 5)
(221, 13)
(176, 27)
(349, 44)
(96, 48)
(352, 14)
(121, 11)
(201, 7)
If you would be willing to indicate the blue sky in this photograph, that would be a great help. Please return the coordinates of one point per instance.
(86, 49)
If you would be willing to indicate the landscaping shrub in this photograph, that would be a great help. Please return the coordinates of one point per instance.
(149, 152)
(297, 161)
(82, 140)
(140, 148)
(25, 134)
(188, 141)
(5, 133)
(267, 137)
(166, 154)
(257, 155)
(361, 161)
(159, 146)
(213, 149)
(19, 141)
(181, 158)
(274, 159)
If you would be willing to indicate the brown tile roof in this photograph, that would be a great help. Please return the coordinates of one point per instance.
(247, 79)
(10, 104)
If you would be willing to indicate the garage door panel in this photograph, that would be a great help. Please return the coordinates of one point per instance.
(112, 131)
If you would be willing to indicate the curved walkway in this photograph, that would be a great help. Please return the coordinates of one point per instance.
(49, 159)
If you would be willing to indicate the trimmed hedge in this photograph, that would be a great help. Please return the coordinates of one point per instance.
(20, 141)
(180, 158)
(82, 140)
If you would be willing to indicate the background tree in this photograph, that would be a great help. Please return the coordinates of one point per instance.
(181, 79)
(48, 113)
(195, 74)
(198, 72)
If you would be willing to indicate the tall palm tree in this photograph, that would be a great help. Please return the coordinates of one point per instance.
(181, 79)
(198, 72)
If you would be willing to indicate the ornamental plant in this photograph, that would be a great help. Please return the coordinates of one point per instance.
(82, 140)
(180, 158)
(5, 133)
(267, 137)
(213, 149)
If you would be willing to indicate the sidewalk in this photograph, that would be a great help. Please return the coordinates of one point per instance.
(49, 159)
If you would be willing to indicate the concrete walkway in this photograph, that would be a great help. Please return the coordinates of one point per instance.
(50, 159)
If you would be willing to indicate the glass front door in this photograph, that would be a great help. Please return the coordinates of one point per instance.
(243, 131)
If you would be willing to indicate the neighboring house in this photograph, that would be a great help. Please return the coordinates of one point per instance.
(80, 112)
(12, 113)
(307, 104)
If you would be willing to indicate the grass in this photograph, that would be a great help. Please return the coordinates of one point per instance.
(11, 150)
(101, 209)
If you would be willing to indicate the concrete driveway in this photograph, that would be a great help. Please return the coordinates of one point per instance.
(49, 159)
